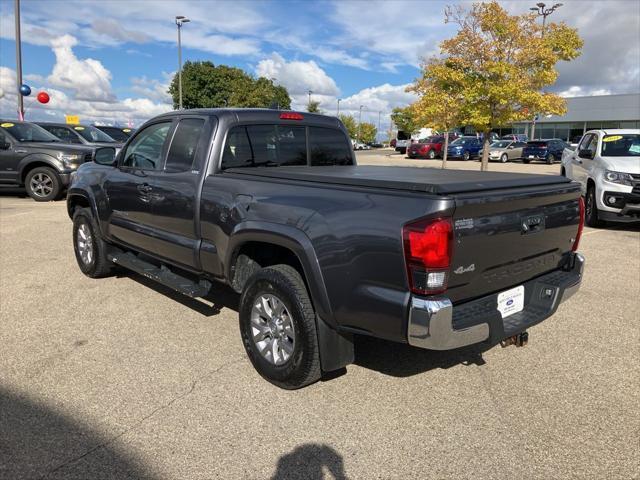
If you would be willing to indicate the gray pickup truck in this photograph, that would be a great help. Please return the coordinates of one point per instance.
(272, 204)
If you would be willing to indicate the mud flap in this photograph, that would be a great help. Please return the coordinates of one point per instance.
(336, 349)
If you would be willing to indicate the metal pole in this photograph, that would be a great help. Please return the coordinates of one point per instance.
(359, 123)
(338, 112)
(16, 15)
(179, 67)
(379, 113)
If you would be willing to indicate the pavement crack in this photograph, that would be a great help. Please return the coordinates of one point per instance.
(137, 424)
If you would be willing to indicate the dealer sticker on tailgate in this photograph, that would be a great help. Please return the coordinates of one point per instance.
(511, 301)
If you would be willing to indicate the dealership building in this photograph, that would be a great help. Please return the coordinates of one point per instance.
(585, 113)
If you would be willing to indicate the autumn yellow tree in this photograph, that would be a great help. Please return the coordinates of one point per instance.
(494, 70)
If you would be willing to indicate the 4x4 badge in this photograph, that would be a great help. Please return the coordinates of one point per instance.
(461, 269)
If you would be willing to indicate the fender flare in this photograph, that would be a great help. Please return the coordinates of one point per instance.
(336, 348)
(75, 192)
(40, 158)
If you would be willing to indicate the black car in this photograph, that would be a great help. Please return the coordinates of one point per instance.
(546, 150)
(272, 204)
(32, 157)
(80, 134)
(120, 134)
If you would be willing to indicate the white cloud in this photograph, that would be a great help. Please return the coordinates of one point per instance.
(578, 91)
(298, 78)
(153, 88)
(88, 78)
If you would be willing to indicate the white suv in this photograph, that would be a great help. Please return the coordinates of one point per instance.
(607, 164)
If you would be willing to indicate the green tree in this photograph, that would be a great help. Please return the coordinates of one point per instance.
(497, 67)
(205, 85)
(314, 107)
(350, 124)
(368, 132)
(404, 119)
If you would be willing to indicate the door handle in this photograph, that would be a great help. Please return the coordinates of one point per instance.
(144, 188)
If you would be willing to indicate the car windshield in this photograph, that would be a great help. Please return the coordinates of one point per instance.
(621, 145)
(92, 134)
(462, 141)
(500, 144)
(28, 132)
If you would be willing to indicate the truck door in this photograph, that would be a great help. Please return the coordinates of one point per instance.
(580, 162)
(176, 192)
(128, 187)
(10, 155)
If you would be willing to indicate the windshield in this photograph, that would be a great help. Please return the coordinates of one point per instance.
(500, 144)
(92, 134)
(462, 141)
(622, 145)
(28, 132)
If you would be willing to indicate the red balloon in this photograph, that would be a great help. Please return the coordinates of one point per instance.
(43, 97)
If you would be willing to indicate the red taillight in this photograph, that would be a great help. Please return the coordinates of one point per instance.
(427, 249)
(576, 242)
(291, 116)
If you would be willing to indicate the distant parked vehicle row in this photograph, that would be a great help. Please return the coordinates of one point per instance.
(505, 150)
(430, 147)
(79, 134)
(119, 134)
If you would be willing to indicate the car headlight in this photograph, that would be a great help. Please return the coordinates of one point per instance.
(618, 177)
(68, 159)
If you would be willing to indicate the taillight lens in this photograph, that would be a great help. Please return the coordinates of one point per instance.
(427, 250)
(576, 242)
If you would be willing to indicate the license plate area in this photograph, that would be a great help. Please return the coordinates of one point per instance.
(511, 301)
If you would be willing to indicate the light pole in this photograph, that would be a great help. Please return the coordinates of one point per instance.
(378, 133)
(359, 122)
(338, 112)
(180, 20)
(16, 15)
(309, 92)
(544, 12)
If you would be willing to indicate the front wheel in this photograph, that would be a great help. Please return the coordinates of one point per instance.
(432, 154)
(591, 209)
(550, 159)
(43, 184)
(466, 156)
(90, 249)
(504, 158)
(278, 328)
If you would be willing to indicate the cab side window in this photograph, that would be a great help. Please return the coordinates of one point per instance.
(145, 151)
(184, 145)
(329, 146)
(586, 140)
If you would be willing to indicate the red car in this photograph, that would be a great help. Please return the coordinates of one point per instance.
(430, 147)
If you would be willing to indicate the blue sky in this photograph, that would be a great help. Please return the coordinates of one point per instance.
(111, 60)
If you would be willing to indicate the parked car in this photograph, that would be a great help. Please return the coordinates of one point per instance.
(320, 249)
(79, 134)
(32, 158)
(430, 147)
(375, 144)
(119, 134)
(516, 137)
(361, 146)
(504, 150)
(464, 147)
(546, 150)
(607, 165)
(403, 140)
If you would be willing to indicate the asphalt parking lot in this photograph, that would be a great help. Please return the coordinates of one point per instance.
(122, 378)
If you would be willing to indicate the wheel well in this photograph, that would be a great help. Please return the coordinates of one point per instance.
(31, 166)
(252, 256)
(76, 201)
(590, 183)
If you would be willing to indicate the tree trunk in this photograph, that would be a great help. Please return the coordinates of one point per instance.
(485, 152)
(444, 152)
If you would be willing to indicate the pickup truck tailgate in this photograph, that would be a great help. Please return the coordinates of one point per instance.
(504, 237)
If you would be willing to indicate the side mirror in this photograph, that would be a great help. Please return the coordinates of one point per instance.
(585, 154)
(105, 156)
(5, 145)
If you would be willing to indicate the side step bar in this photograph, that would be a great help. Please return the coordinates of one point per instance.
(161, 274)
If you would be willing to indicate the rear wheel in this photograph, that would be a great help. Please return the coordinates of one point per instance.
(504, 158)
(43, 184)
(591, 209)
(278, 328)
(525, 160)
(432, 154)
(466, 156)
(551, 159)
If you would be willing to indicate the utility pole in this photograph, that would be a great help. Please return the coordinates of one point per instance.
(180, 20)
(378, 132)
(543, 12)
(16, 15)
(338, 112)
(359, 123)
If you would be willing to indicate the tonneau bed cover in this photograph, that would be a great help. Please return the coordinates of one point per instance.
(417, 179)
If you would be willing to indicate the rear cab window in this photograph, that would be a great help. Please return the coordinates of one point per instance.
(285, 145)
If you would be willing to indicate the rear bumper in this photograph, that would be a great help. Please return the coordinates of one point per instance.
(436, 324)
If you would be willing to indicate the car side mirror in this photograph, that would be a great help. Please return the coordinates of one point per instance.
(5, 145)
(105, 156)
(585, 154)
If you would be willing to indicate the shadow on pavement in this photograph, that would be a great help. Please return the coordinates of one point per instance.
(309, 462)
(38, 442)
(401, 360)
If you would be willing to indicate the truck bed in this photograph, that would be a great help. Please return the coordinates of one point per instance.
(415, 179)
